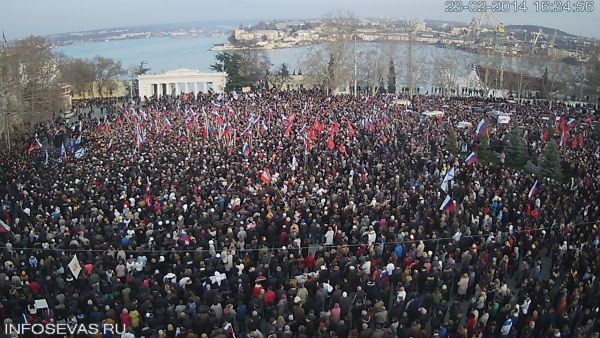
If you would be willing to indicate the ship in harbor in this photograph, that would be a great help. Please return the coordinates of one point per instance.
(220, 47)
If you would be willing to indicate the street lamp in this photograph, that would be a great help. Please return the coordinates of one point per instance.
(582, 75)
(355, 66)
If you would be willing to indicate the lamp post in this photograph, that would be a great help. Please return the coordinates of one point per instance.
(355, 66)
(582, 74)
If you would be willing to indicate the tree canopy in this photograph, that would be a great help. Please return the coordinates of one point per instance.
(246, 67)
(516, 150)
(551, 166)
(34, 80)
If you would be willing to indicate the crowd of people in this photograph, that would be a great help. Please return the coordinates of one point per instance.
(302, 214)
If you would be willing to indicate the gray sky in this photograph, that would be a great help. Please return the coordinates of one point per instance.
(20, 18)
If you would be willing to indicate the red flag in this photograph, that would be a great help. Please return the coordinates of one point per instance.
(574, 143)
(289, 122)
(34, 145)
(342, 149)
(330, 144)
(265, 177)
(546, 135)
(315, 126)
(351, 131)
(563, 123)
(589, 121)
(307, 145)
(218, 119)
(335, 128)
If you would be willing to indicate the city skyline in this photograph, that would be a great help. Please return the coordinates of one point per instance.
(34, 17)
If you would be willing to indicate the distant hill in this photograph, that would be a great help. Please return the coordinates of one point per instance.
(534, 29)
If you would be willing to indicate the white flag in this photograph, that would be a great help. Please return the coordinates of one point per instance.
(294, 164)
(75, 267)
(79, 153)
(449, 177)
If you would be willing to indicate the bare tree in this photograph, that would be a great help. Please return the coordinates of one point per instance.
(280, 77)
(524, 83)
(79, 73)
(373, 66)
(29, 85)
(556, 79)
(332, 61)
(412, 71)
(106, 73)
(446, 71)
(250, 63)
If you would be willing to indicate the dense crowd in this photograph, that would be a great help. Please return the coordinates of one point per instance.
(299, 214)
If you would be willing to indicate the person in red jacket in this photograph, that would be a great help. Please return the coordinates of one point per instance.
(471, 322)
(269, 298)
(125, 318)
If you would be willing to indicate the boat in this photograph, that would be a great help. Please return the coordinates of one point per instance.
(219, 47)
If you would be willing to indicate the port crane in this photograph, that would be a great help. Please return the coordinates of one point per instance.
(534, 40)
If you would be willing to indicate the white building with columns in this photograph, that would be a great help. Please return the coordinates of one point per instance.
(180, 81)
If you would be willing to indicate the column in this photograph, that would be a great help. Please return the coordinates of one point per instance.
(177, 88)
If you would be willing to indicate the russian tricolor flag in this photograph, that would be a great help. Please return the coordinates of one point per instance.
(368, 124)
(533, 190)
(471, 159)
(246, 150)
(481, 127)
(564, 139)
(449, 204)
(571, 123)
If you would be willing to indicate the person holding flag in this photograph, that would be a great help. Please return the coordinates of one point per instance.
(448, 204)
(266, 177)
(36, 144)
(481, 128)
(533, 191)
(294, 164)
(472, 158)
(246, 149)
(448, 178)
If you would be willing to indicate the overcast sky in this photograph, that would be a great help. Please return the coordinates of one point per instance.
(20, 18)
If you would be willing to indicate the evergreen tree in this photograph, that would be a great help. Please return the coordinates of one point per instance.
(544, 93)
(381, 87)
(230, 63)
(551, 167)
(485, 153)
(283, 71)
(391, 78)
(451, 142)
(516, 151)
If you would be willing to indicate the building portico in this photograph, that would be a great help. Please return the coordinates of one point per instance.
(181, 81)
